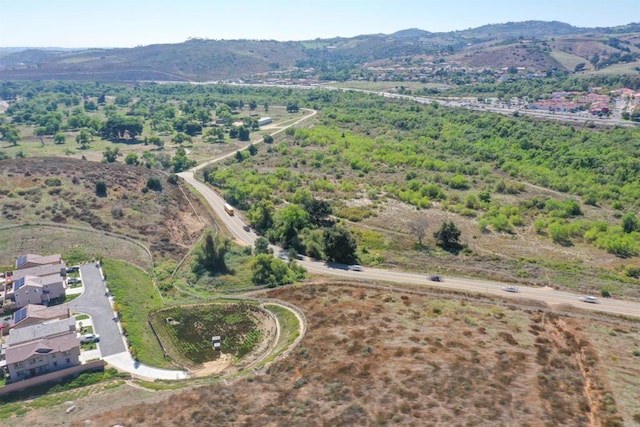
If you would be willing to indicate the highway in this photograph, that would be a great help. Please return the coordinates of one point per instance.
(547, 295)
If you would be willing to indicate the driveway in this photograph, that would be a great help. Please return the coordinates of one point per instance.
(95, 303)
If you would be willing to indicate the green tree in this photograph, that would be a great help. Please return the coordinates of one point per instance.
(318, 210)
(288, 222)
(132, 159)
(261, 214)
(154, 140)
(270, 271)
(210, 255)
(180, 161)
(111, 154)
(268, 138)
(180, 138)
(10, 134)
(84, 138)
(59, 138)
(559, 233)
(253, 150)
(630, 223)
(261, 246)
(154, 183)
(339, 244)
(448, 237)
(313, 241)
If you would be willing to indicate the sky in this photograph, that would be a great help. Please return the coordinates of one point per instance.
(129, 23)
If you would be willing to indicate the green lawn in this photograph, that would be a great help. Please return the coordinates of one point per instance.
(136, 296)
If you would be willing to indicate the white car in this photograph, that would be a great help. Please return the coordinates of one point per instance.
(89, 338)
(590, 299)
(356, 268)
(511, 289)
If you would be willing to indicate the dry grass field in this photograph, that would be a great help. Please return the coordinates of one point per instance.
(379, 357)
(62, 191)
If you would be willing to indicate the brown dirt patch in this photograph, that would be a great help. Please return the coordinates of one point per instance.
(374, 357)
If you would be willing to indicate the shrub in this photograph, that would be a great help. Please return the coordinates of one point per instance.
(154, 183)
(101, 189)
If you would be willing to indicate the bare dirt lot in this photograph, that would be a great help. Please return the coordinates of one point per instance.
(376, 357)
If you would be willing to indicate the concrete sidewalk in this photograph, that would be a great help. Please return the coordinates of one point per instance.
(124, 362)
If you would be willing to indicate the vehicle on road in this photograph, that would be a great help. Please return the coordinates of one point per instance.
(216, 342)
(89, 338)
(511, 289)
(436, 278)
(229, 209)
(356, 267)
(283, 256)
(590, 299)
(246, 227)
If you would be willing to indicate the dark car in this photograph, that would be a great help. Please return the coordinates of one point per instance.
(246, 228)
(436, 278)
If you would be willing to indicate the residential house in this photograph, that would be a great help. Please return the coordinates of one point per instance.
(32, 314)
(37, 290)
(50, 268)
(39, 271)
(48, 329)
(41, 356)
(41, 348)
(33, 260)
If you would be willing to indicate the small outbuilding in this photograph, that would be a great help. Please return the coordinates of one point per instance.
(262, 121)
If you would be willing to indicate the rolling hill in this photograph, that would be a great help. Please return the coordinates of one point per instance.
(535, 45)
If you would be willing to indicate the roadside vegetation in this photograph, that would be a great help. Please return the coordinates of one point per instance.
(371, 169)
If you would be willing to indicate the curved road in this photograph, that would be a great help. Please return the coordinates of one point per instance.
(546, 295)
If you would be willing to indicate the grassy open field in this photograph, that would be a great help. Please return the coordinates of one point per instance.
(31, 145)
(136, 296)
(568, 60)
(72, 243)
(378, 357)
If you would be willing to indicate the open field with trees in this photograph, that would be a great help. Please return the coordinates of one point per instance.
(372, 168)
(371, 181)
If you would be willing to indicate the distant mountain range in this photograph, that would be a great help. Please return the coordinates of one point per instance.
(537, 46)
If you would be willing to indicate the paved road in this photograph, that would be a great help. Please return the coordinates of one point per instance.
(547, 295)
(113, 350)
(95, 303)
